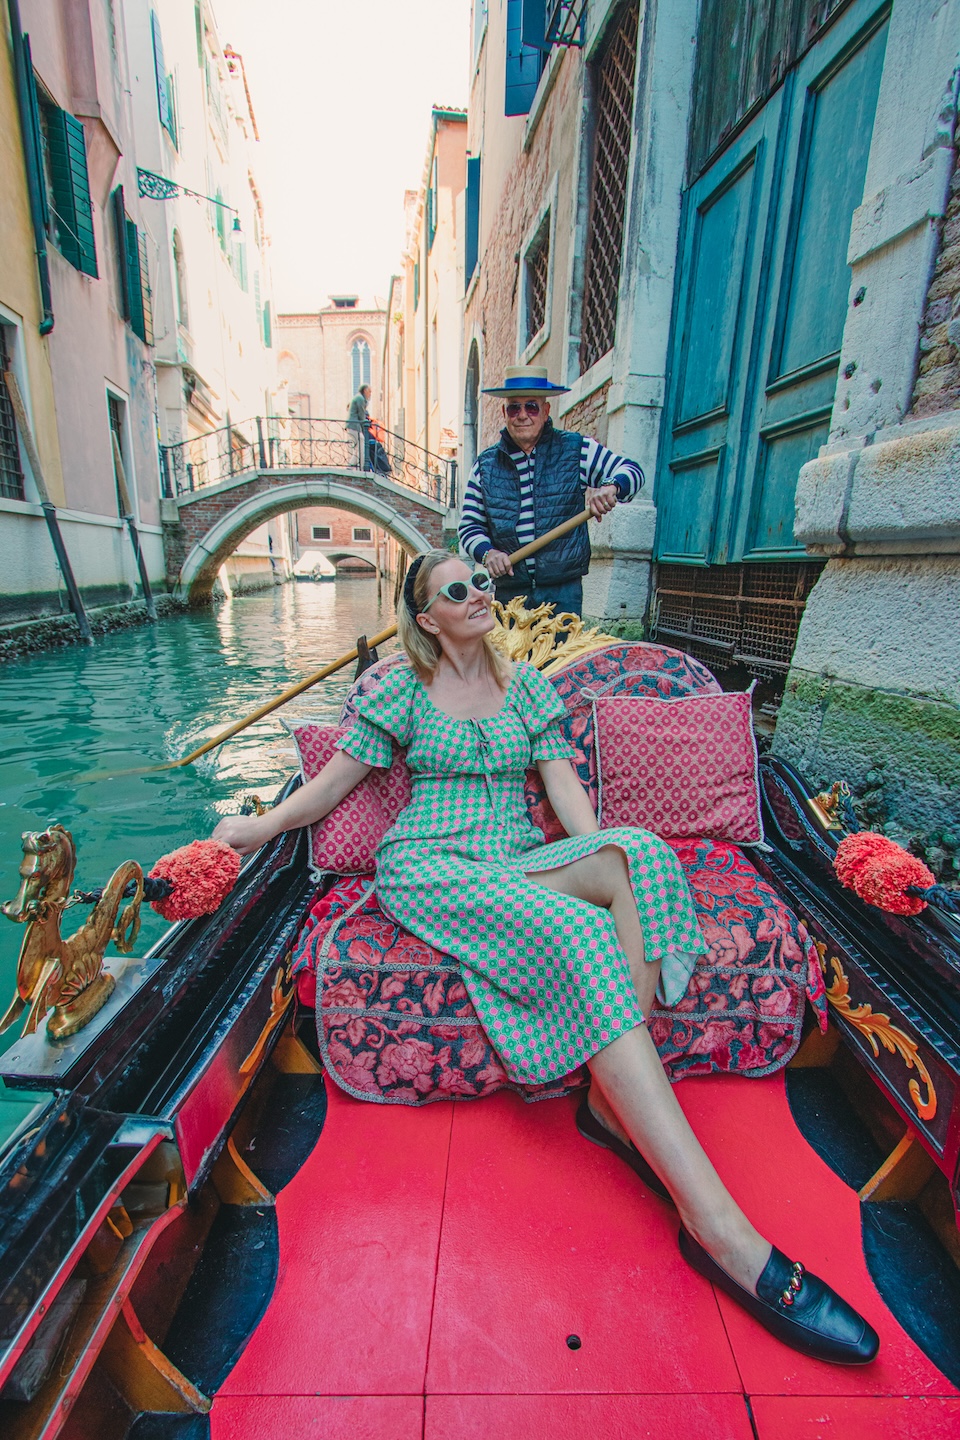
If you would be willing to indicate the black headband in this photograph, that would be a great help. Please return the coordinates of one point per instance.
(408, 585)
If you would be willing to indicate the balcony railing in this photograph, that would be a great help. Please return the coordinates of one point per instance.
(291, 443)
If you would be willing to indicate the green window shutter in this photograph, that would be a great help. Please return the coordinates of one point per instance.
(72, 207)
(472, 219)
(138, 322)
(165, 106)
(120, 224)
(267, 326)
(36, 160)
(416, 284)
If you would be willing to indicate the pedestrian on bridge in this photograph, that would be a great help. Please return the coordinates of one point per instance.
(532, 480)
(358, 420)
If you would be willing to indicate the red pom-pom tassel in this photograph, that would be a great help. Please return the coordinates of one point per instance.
(202, 874)
(879, 871)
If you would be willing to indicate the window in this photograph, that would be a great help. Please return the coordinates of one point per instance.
(11, 466)
(524, 63)
(362, 535)
(68, 187)
(360, 361)
(115, 409)
(321, 532)
(166, 105)
(472, 219)
(536, 268)
(136, 302)
(180, 280)
(608, 202)
(416, 284)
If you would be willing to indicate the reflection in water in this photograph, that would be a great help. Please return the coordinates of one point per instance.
(151, 694)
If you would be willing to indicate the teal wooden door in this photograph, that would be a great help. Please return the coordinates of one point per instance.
(760, 304)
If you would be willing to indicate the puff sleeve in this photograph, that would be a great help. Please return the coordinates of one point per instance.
(382, 717)
(543, 714)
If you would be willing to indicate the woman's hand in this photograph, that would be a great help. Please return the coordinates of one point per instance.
(243, 833)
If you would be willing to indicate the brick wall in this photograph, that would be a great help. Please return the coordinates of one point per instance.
(341, 523)
(938, 379)
(590, 416)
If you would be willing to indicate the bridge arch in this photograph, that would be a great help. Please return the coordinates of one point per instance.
(205, 556)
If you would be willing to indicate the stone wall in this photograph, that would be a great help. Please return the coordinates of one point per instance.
(938, 379)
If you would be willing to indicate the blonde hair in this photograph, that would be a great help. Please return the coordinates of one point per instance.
(423, 649)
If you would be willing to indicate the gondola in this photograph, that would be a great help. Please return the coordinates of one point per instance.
(202, 1234)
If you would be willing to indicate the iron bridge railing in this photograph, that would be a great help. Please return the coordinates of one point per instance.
(292, 442)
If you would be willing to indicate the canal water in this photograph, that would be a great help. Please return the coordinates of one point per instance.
(150, 694)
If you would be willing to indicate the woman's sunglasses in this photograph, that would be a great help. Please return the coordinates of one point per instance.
(513, 409)
(459, 590)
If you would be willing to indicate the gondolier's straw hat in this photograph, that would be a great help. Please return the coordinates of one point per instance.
(523, 380)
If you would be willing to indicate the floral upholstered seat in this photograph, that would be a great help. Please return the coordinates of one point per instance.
(394, 1020)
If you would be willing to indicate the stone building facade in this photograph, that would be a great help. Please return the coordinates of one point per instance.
(420, 397)
(729, 229)
(84, 368)
(327, 355)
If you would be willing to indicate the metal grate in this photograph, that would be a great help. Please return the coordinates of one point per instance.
(538, 270)
(11, 470)
(608, 203)
(729, 615)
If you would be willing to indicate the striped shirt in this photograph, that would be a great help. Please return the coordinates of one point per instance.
(598, 466)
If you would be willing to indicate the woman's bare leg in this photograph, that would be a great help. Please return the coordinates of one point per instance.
(634, 1082)
(632, 1095)
(603, 879)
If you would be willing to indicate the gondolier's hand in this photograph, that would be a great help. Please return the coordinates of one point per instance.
(498, 563)
(244, 833)
(599, 502)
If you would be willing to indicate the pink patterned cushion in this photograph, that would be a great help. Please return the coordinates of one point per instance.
(680, 768)
(345, 842)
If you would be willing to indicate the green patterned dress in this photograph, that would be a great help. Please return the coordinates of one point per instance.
(545, 972)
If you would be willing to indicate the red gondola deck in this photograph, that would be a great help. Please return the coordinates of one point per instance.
(434, 1263)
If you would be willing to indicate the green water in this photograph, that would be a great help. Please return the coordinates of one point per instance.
(146, 695)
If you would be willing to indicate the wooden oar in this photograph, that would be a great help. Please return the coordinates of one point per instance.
(294, 690)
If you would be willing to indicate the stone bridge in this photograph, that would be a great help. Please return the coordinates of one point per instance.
(235, 481)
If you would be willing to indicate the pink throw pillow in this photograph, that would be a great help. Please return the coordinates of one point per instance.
(345, 841)
(681, 768)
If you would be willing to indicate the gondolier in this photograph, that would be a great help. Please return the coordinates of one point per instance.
(534, 478)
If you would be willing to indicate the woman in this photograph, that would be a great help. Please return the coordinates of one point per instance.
(562, 947)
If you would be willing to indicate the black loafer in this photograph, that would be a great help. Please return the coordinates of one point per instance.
(592, 1129)
(795, 1306)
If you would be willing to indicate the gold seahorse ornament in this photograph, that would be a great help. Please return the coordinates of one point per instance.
(65, 976)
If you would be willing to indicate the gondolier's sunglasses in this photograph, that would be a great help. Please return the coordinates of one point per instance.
(514, 407)
(459, 590)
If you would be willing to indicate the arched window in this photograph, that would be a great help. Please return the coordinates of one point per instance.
(360, 356)
(180, 275)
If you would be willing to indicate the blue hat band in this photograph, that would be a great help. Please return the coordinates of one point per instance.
(519, 383)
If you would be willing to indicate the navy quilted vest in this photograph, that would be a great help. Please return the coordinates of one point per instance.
(557, 495)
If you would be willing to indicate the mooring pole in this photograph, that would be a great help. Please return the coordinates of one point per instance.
(132, 527)
(48, 507)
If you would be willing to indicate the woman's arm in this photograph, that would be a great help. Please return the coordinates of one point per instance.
(311, 802)
(568, 797)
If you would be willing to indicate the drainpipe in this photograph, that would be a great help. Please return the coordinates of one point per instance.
(23, 79)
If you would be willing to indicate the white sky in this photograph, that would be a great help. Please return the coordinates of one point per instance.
(342, 91)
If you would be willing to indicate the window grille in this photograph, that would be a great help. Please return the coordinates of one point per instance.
(362, 533)
(608, 202)
(11, 469)
(321, 532)
(537, 263)
(727, 615)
